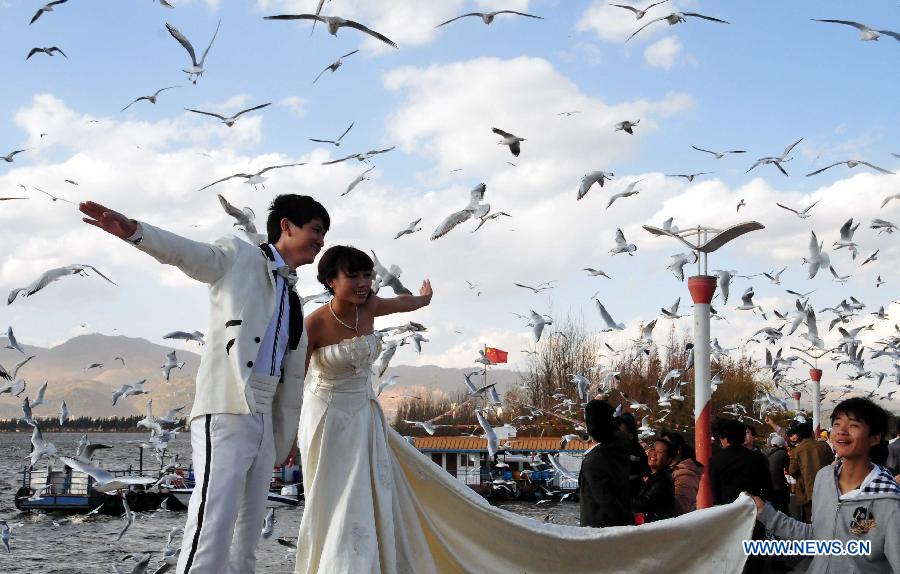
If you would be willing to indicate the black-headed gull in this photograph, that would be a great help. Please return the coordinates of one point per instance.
(244, 220)
(360, 156)
(629, 191)
(127, 390)
(40, 447)
(45, 8)
(364, 176)
(537, 322)
(196, 336)
(776, 161)
(8, 158)
(334, 23)
(883, 226)
(196, 69)
(596, 272)
(865, 33)
(590, 179)
(253, 179)
(611, 325)
(454, 219)
(851, 163)
(172, 362)
(622, 245)
(49, 51)
(334, 65)
(337, 142)
(801, 214)
(688, 176)
(775, 278)
(678, 261)
(846, 240)
(626, 126)
(150, 98)
(105, 481)
(488, 17)
(52, 275)
(229, 121)
(719, 154)
(387, 277)
(817, 256)
(677, 18)
(12, 342)
(510, 140)
(638, 13)
(409, 229)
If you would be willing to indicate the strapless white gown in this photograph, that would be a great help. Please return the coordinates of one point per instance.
(374, 504)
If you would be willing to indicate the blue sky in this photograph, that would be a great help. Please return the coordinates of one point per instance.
(767, 79)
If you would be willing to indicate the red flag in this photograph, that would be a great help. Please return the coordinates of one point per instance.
(495, 355)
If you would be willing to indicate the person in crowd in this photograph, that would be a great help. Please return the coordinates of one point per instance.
(603, 485)
(657, 498)
(807, 459)
(853, 500)
(686, 473)
(779, 462)
(638, 468)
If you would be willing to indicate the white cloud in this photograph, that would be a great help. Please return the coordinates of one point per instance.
(615, 24)
(296, 104)
(662, 53)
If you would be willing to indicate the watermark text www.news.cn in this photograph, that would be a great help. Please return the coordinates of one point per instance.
(807, 547)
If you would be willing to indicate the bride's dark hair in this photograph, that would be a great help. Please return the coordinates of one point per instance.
(342, 258)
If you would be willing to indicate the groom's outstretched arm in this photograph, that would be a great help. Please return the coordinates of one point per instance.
(201, 261)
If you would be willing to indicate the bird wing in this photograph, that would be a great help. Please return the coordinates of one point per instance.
(97, 473)
(244, 175)
(95, 270)
(693, 146)
(607, 318)
(631, 8)
(348, 127)
(134, 102)
(810, 206)
(500, 132)
(18, 366)
(264, 170)
(370, 32)
(824, 168)
(348, 54)
(235, 116)
(620, 237)
(875, 167)
(231, 210)
(159, 91)
(223, 118)
(476, 195)
(450, 222)
(458, 17)
(339, 160)
(644, 26)
(183, 41)
(857, 25)
(206, 51)
(322, 141)
(319, 75)
(893, 35)
(696, 15)
(788, 149)
(518, 13)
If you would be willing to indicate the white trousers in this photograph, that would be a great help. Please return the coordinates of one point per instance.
(233, 457)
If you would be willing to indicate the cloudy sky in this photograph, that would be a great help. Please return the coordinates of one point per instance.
(769, 77)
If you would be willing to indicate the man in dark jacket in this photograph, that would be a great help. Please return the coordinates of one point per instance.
(893, 460)
(807, 459)
(657, 499)
(603, 481)
(779, 461)
(737, 469)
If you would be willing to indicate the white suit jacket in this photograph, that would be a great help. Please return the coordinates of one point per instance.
(242, 300)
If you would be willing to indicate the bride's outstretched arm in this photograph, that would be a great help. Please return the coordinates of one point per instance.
(403, 303)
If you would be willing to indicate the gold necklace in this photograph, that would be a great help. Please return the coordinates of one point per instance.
(355, 328)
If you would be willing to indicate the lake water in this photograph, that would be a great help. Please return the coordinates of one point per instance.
(73, 544)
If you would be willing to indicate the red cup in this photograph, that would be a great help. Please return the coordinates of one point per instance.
(638, 518)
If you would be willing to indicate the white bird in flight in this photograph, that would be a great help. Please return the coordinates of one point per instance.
(804, 214)
(776, 161)
(817, 256)
(45, 8)
(105, 481)
(719, 154)
(172, 362)
(52, 275)
(454, 219)
(409, 229)
(626, 126)
(364, 176)
(865, 33)
(611, 325)
(196, 69)
(337, 142)
(334, 65)
(243, 220)
(590, 179)
(629, 191)
(850, 163)
(622, 246)
(334, 23)
(488, 17)
(229, 121)
(254, 179)
(638, 13)
(510, 140)
(151, 98)
(677, 18)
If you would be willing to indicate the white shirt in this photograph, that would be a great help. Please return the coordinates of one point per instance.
(274, 343)
(857, 491)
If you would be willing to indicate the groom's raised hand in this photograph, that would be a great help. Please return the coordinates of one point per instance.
(106, 219)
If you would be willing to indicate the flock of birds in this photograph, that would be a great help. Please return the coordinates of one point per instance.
(848, 315)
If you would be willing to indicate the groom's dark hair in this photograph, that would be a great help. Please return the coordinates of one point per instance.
(299, 209)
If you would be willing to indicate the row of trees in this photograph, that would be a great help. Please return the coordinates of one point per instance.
(78, 424)
(572, 349)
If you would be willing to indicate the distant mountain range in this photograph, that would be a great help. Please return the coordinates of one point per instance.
(89, 392)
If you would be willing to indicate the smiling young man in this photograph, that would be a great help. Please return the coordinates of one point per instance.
(853, 500)
(249, 385)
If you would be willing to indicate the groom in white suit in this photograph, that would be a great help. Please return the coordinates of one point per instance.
(249, 385)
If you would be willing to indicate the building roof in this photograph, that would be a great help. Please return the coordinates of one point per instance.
(479, 444)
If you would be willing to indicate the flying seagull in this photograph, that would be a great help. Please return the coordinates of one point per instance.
(53, 197)
(776, 161)
(488, 17)
(229, 121)
(196, 70)
(243, 219)
(626, 126)
(688, 176)
(590, 179)
(334, 65)
(466, 213)
(851, 163)
(337, 142)
(364, 176)
(865, 33)
(719, 154)
(253, 179)
(151, 99)
(611, 325)
(818, 258)
(801, 214)
(638, 14)
(676, 18)
(622, 246)
(49, 51)
(8, 158)
(509, 140)
(52, 275)
(45, 8)
(359, 156)
(411, 228)
(334, 23)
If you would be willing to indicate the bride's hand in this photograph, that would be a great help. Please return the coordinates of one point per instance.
(425, 291)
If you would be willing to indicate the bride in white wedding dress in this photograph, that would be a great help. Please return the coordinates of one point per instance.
(374, 504)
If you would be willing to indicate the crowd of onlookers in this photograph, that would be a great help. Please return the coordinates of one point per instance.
(856, 467)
